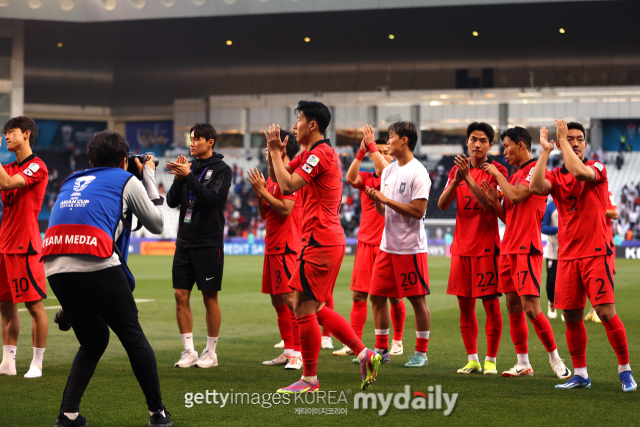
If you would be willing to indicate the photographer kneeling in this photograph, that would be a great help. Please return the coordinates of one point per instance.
(85, 252)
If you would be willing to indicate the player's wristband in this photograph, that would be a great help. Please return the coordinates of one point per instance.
(372, 147)
(360, 155)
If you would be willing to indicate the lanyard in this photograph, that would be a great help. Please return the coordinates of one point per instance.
(192, 198)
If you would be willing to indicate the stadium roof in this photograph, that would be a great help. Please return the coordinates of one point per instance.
(126, 10)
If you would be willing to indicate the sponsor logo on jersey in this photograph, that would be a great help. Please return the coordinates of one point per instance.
(34, 167)
(403, 187)
(306, 168)
(313, 160)
(599, 165)
(27, 172)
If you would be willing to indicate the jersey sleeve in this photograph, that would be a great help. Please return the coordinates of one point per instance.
(452, 174)
(363, 178)
(311, 168)
(295, 162)
(527, 180)
(34, 173)
(421, 185)
(600, 170)
(612, 202)
(278, 195)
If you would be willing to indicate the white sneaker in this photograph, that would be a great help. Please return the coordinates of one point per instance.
(519, 371)
(188, 358)
(560, 369)
(35, 371)
(207, 359)
(396, 348)
(8, 369)
(327, 343)
(551, 312)
(279, 345)
(344, 351)
(294, 363)
(280, 360)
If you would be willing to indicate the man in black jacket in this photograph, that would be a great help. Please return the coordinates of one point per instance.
(200, 189)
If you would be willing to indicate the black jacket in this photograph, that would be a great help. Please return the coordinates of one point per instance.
(206, 228)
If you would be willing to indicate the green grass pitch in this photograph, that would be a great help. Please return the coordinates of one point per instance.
(247, 336)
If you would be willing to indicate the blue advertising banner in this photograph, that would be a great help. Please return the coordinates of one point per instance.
(144, 137)
(621, 135)
(66, 133)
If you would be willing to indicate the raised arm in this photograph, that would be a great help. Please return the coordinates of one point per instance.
(288, 183)
(571, 160)
(539, 185)
(463, 167)
(494, 198)
(353, 173)
(449, 192)
(282, 206)
(11, 182)
(515, 194)
(416, 209)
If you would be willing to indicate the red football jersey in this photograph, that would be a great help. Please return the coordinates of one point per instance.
(524, 220)
(611, 203)
(582, 205)
(322, 196)
(283, 233)
(476, 232)
(20, 233)
(371, 222)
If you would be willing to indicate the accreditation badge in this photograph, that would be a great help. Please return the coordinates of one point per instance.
(187, 215)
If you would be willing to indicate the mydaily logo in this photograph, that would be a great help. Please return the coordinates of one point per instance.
(417, 400)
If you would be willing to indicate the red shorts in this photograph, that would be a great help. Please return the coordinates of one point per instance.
(400, 276)
(473, 277)
(578, 278)
(317, 270)
(521, 273)
(22, 278)
(363, 266)
(276, 273)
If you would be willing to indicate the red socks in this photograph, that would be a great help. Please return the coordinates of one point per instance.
(577, 343)
(326, 332)
(468, 324)
(310, 342)
(284, 324)
(398, 314)
(545, 332)
(493, 327)
(340, 328)
(519, 331)
(359, 317)
(618, 339)
(382, 339)
(295, 331)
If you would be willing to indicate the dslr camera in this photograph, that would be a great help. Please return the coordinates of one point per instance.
(133, 167)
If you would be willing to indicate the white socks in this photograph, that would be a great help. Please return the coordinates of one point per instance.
(420, 334)
(623, 368)
(35, 370)
(523, 359)
(187, 341)
(361, 355)
(150, 413)
(553, 356)
(310, 379)
(490, 359)
(581, 372)
(474, 358)
(72, 415)
(211, 344)
(8, 365)
(381, 332)
(289, 353)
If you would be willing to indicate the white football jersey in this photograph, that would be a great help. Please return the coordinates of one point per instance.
(404, 235)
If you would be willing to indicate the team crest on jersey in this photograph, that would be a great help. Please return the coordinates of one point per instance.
(306, 168)
(599, 165)
(34, 167)
(313, 160)
(403, 187)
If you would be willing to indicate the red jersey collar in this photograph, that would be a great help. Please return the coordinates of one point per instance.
(527, 162)
(31, 157)
(322, 141)
(489, 160)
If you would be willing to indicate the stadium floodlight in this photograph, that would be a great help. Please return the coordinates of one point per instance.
(109, 4)
(4, 3)
(230, 1)
(138, 4)
(67, 4)
(35, 4)
(198, 2)
(168, 3)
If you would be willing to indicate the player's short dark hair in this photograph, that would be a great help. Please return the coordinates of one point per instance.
(407, 129)
(482, 127)
(315, 111)
(576, 125)
(518, 134)
(23, 123)
(204, 130)
(381, 141)
(107, 149)
(293, 146)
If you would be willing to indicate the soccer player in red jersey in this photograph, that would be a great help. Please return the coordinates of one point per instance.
(612, 213)
(476, 245)
(369, 238)
(520, 271)
(23, 184)
(282, 243)
(580, 192)
(401, 268)
(319, 170)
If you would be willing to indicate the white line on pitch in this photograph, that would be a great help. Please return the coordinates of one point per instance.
(55, 307)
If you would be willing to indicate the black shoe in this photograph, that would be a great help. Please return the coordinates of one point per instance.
(64, 421)
(158, 420)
